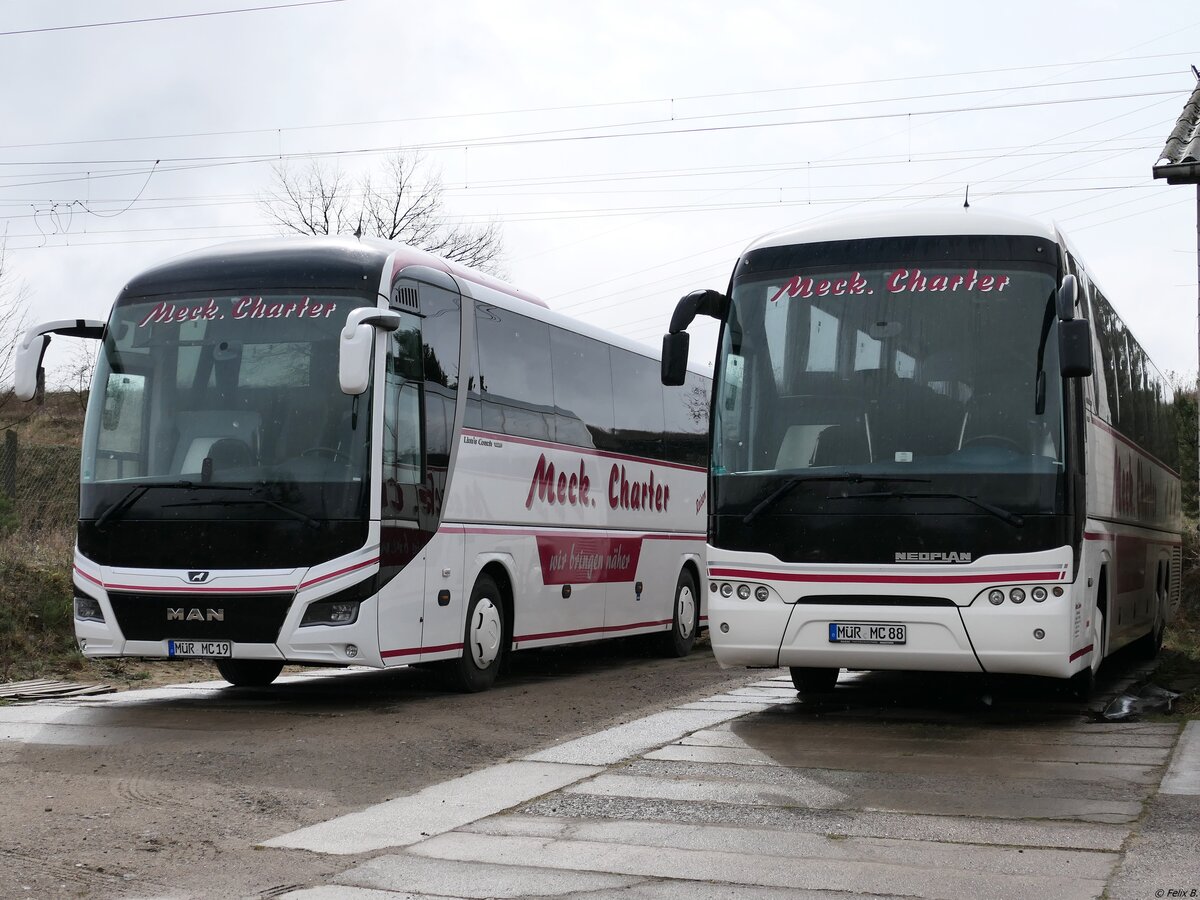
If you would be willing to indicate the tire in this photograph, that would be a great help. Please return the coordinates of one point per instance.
(814, 681)
(1083, 683)
(1149, 644)
(685, 619)
(483, 639)
(249, 672)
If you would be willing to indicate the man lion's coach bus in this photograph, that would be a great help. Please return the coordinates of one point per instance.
(915, 464)
(337, 452)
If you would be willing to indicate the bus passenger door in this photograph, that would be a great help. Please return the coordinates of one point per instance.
(420, 419)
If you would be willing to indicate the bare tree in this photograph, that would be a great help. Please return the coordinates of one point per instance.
(396, 203)
(14, 318)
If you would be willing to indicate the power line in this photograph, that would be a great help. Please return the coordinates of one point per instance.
(201, 15)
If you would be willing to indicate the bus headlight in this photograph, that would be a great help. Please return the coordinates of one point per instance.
(1016, 595)
(761, 594)
(1038, 594)
(726, 589)
(743, 592)
(87, 609)
(995, 596)
(331, 612)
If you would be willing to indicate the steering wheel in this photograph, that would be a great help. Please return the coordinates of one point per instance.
(331, 453)
(999, 439)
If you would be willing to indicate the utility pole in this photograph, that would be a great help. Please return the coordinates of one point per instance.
(1179, 163)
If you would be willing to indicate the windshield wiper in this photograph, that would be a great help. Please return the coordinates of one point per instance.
(254, 501)
(132, 496)
(998, 511)
(848, 477)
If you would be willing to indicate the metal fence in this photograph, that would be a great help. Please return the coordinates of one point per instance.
(40, 483)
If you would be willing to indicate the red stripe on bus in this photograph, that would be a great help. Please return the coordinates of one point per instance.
(568, 532)
(587, 451)
(150, 589)
(320, 578)
(413, 651)
(92, 578)
(982, 578)
(1081, 652)
(604, 629)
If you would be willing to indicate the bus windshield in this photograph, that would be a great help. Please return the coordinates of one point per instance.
(233, 391)
(894, 358)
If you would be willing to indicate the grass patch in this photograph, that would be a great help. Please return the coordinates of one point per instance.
(37, 637)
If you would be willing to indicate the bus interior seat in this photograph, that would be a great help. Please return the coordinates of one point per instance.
(199, 430)
(842, 445)
(230, 453)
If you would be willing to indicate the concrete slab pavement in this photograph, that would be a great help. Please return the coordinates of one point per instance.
(751, 794)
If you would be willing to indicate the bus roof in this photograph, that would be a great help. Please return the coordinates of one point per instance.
(300, 262)
(907, 224)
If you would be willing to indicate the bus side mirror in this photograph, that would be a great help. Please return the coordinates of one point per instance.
(28, 372)
(674, 358)
(1075, 348)
(29, 378)
(356, 342)
(1068, 296)
(675, 342)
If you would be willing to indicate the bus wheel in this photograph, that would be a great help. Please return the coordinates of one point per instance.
(1082, 683)
(249, 672)
(814, 681)
(1149, 644)
(685, 618)
(483, 639)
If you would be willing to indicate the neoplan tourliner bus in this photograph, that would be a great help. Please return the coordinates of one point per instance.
(328, 451)
(915, 464)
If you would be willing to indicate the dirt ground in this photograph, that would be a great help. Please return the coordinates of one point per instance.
(169, 798)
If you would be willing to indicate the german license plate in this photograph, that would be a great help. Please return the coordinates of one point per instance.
(199, 649)
(867, 633)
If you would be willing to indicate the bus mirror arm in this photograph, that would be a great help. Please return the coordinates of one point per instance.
(355, 344)
(676, 341)
(28, 374)
(1068, 296)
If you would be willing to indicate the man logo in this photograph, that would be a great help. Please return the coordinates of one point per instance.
(198, 577)
(195, 615)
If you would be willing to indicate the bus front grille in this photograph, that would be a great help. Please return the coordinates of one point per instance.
(242, 618)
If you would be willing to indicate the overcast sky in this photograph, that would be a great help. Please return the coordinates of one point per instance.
(630, 150)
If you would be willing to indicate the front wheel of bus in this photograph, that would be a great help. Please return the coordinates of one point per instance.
(249, 672)
(483, 639)
(1083, 682)
(685, 618)
(814, 681)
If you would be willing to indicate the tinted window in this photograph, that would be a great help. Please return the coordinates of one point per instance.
(583, 396)
(686, 412)
(515, 389)
(440, 332)
(637, 403)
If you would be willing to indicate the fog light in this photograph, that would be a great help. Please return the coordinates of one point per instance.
(726, 589)
(87, 609)
(331, 612)
(995, 597)
(351, 651)
(761, 594)
(1016, 595)
(1038, 594)
(743, 592)
(1038, 634)
(724, 628)
(82, 644)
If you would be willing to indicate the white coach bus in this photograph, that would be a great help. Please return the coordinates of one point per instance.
(327, 451)
(914, 464)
